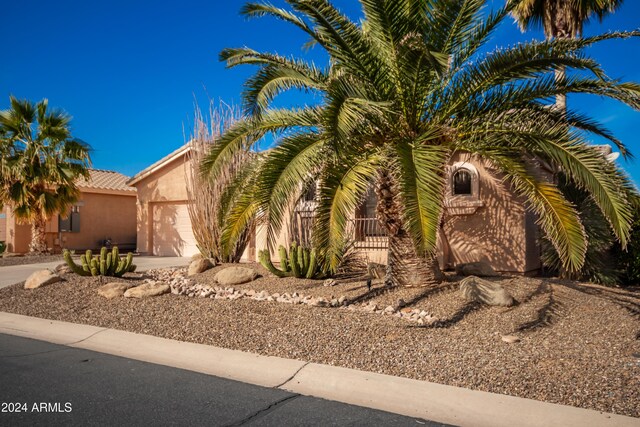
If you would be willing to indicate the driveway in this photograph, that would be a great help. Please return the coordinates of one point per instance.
(18, 273)
(71, 386)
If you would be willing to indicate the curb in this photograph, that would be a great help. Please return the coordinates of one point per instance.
(420, 399)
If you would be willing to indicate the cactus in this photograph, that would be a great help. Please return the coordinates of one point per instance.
(74, 267)
(300, 262)
(105, 264)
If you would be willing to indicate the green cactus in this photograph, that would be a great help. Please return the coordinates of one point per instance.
(300, 262)
(78, 269)
(265, 260)
(105, 264)
(284, 260)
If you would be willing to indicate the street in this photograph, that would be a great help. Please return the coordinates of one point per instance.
(58, 385)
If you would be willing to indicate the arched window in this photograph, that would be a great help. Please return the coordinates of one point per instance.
(462, 182)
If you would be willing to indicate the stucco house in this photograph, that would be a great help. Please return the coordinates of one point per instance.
(483, 221)
(106, 210)
(164, 227)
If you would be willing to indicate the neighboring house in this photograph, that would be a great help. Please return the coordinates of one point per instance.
(164, 227)
(105, 211)
(483, 220)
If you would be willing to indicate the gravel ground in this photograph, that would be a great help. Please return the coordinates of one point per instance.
(580, 344)
(29, 259)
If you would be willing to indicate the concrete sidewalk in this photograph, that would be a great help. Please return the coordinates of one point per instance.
(18, 273)
(418, 399)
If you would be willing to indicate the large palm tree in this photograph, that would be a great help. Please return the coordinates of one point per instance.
(40, 164)
(560, 19)
(405, 89)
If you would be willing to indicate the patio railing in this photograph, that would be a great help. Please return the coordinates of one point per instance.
(367, 232)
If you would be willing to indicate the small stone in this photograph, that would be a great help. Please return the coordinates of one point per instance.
(510, 339)
(329, 282)
(342, 300)
(389, 309)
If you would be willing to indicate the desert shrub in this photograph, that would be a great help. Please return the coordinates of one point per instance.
(628, 260)
(600, 264)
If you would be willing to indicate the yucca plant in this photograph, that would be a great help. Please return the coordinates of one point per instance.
(406, 88)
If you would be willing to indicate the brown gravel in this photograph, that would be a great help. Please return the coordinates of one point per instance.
(580, 344)
(29, 259)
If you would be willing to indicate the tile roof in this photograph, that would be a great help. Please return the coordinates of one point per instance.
(106, 180)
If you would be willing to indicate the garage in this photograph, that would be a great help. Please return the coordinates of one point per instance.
(172, 232)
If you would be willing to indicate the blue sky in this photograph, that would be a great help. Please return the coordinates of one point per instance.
(129, 72)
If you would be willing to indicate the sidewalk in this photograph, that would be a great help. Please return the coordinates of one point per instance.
(418, 399)
(18, 273)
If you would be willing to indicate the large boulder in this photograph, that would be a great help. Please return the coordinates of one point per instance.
(41, 278)
(479, 268)
(475, 289)
(147, 290)
(114, 289)
(235, 275)
(199, 265)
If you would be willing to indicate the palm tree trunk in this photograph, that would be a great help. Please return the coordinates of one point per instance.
(38, 236)
(404, 266)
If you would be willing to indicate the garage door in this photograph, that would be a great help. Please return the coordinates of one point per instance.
(172, 233)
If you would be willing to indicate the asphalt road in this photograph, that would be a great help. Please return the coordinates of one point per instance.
(59, 385)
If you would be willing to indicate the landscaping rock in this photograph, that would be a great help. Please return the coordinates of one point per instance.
(484, 291)
(235, 276)
(480, 268)
(510, 339)
(41, 278)
(330, 282)
(198, 266)
(147, 290)
(196, 257)
(114, 289)
(62, 269)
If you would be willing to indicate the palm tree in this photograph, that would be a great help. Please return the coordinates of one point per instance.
(39, 166)
(406, 89)
(560, 19)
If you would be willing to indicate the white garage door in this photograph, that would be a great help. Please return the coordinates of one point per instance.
(172, 233)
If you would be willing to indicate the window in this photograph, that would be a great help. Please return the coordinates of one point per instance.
(462, 182)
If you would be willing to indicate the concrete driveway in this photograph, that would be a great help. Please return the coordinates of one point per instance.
(18, 273)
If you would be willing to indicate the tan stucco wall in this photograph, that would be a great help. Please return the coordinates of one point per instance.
(101, 216)
(495, 232)
(167, 184)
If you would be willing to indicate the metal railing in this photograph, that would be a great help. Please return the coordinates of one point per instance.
(367, 232)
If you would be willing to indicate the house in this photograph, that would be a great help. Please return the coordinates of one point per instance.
(105, 211)
(483, 219)
(164, 227)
